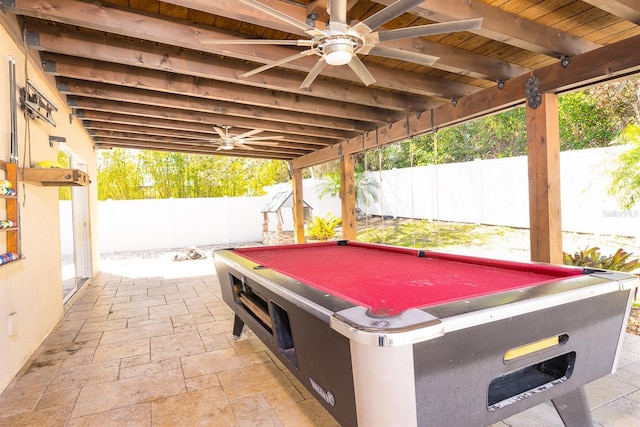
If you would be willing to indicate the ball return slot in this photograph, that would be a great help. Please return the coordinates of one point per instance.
(517, 385)
(262, 309)
(255, 305)
(283, 333)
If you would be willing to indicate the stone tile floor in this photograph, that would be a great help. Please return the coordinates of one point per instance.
(148, 343)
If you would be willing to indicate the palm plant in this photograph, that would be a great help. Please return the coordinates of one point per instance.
(365, 187)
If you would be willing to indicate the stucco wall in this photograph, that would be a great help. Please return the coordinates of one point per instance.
(32, 287)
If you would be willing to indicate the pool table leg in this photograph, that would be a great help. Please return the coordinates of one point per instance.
(238, 324)
(573, 408)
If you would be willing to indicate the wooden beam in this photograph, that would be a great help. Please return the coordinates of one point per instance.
(319, 7)
(213, 119)
(97, 120)
(288, 150)
(543, 148)
(298, 206)
(625, 9)
(148, 96)
(119, 21)
(107, 128)
(348, 197)
(178, 149)
(103, 47)
(162, 81)
(451, 59)
(233, 9)
(504, 26)
(612, 61)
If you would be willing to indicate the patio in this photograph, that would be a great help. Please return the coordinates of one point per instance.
(149, 343)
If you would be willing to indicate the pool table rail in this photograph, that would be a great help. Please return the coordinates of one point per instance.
(410, 327)
(491, 308)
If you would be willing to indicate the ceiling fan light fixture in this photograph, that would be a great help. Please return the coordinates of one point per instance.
(339, 52)
(228, 146)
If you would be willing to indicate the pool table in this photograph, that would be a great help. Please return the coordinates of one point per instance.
(385, 336)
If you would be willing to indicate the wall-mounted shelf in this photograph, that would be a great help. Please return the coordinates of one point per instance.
(55, 177)
(12, 248)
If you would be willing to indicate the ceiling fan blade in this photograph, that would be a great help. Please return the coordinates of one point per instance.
(308, 29)
(430, 29)
(313, 74)
(272, 64)
(338, 15)
(361, 71)
(259, 41)
(388, 13)
(247, 134)
(220, 132)
(244, 147)
(403, 55)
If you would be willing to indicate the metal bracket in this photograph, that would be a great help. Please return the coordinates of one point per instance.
(311, 19)
(53, 139)
(36, 104)
(532, 92)
(49, 66)
(565, 60)
(32, 38)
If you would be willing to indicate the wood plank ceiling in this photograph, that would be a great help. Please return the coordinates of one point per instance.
(145, 73)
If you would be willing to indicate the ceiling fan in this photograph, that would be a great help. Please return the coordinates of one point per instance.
(340, 43)
(227, 141)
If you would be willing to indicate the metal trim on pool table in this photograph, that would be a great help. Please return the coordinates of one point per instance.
(248, 268)
(356, 325)
(410, 327)
(493, 314)
(567, 285)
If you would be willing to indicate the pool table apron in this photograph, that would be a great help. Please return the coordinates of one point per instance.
(470, 362)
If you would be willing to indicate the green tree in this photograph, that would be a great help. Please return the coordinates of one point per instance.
(262, 173)
(64, 193)
(159, 174)
(588, 119)
(119, 175)
(168, 171)
(625, 185)
(586, 122)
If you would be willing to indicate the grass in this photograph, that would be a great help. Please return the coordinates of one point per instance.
(425, 234)
(479, 239)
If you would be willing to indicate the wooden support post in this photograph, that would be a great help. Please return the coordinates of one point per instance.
(543, 136)
(348, 197)
(298, 207)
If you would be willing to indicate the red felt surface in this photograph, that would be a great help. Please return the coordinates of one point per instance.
(392, 280)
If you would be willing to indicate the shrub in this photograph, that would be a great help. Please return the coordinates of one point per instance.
(322, 228)
(591, 257)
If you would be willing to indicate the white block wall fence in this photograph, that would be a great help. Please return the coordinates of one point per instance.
(495, 192)
(491, 192)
